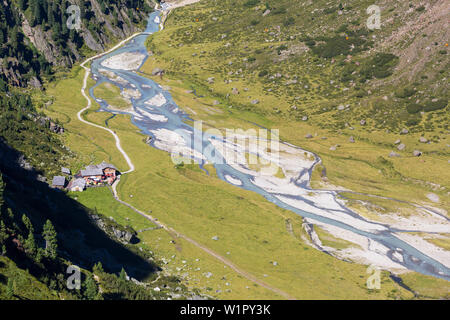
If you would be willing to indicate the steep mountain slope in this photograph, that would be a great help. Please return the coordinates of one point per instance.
(36, 35)
(312, 56)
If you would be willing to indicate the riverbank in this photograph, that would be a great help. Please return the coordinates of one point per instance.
(236, 217)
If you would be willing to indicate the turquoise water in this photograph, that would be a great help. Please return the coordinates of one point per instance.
(412, 258)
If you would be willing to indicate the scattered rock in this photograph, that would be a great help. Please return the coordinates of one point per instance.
(309, 136)
(352, 139)
(333, 148)
(256, 101)
(423, 139)
(34, 82)
(417, 153)
(235, 91)
(401, 147)
(393, 154)
(433, 197)
(397, 141)
(266, 12)
(363, 122)
(404, 131)
(215, 238)
(305, 118)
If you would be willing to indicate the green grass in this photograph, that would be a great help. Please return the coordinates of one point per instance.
(25, 286)
(100, 198)
(252, 230)
(111, 94)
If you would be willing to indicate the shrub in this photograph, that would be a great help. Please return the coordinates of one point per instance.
(420, 9)
(263, 73)
(413, 108)
(279, 10)
(251, 3)
(339, 45)
(289, 21)
(281, 48)
(436, 105)
(405, 92)
(412, 122)
(380, 66)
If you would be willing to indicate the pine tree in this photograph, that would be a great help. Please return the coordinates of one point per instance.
(30, 243)
(91, 288)
(10, 289)
(123, 275)
(98, 268)
(2, 189)
(50, 236)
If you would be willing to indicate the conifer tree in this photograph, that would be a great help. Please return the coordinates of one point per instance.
(50, 236)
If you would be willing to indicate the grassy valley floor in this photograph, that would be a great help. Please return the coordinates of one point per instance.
(252, 233)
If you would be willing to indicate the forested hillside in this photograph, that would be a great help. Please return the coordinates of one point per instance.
(36, 38)
(42, 230)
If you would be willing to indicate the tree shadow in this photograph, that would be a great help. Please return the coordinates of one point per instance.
(80, 240)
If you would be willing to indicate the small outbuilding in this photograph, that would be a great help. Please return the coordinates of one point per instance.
(65, 171)
(59, 182)
(77, 185)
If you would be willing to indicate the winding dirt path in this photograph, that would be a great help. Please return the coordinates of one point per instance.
(171, 231)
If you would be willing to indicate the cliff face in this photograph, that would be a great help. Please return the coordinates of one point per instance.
(35, 34)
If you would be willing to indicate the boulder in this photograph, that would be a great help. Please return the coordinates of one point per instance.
(423, 139)
(309, 136)
(417, 153)
(363, 122)
(393, 154)
(352, 139)
(397, 141)
(404, 131)
(256, 101)
(157, 72)
(433, 197)
(401, 147)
